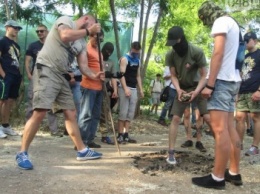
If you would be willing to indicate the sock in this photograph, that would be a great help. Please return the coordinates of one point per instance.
(84, 150)
(171, 152)
(216, 178)
(232, 173)
(125, 135)
(119, 134)
(5, 125)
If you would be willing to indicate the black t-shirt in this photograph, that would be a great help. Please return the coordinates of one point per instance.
(10, 54)
(33, 50)
(251, 73)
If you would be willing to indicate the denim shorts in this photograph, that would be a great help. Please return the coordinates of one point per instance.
(224, 96)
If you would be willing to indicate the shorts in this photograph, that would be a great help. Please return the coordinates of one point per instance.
(9, 86)
(224, 96)
(51, 90)
(199, 102)
(127, 104)
(156, 98)
(246, 104)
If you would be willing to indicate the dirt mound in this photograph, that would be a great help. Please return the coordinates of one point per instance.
(154, 163)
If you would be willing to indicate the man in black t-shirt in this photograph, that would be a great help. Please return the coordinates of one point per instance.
(31, 55)
(249, 93)
(10, 76)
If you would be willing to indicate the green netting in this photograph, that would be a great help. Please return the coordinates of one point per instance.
(27, 35)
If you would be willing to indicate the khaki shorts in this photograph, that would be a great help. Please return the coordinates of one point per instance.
(51, 90)
(246, 104)
(179, 107)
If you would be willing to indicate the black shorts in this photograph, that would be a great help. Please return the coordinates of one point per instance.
(9, 86)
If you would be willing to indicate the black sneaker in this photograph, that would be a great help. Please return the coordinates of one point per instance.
(107, 140)
(233, 179)
(120, 140)
(162, 122)
(130, 140)
(94, 145)
(208, 182)
(187, 144)
(200, 146)
(250, 132)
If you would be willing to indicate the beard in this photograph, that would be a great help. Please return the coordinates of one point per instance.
(181, 48)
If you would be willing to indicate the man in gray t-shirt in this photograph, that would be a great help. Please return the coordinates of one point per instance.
(64, 42)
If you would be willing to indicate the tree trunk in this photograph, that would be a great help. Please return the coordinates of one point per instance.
(14, 9)
(115, 26)
(141, 22)
(7, 10)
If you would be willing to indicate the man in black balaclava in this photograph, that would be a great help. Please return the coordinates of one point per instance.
(111, 86)
(188, 71)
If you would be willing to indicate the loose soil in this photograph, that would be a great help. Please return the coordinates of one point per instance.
(141, 168)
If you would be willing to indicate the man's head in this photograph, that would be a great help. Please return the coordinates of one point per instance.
(135, 49)
(251, 40)
(93, 39)
(42, 32)
(86, 21)
(209, 12)
(107, 50)
(175, 34)
(12, 28)
(158, 76)
(177, 40)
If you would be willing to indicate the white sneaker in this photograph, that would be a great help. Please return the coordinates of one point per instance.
(2, 135)
(171, 160)
(9, 131)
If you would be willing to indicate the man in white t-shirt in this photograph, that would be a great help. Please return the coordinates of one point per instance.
(156, 87)
(223, 82)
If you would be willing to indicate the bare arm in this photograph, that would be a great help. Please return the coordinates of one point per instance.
(84, 68)
(175, 82)
(27, 66)
(67, 34)
(122, 65)
(217, 57)
(202, 81)
(139, 81)
(2, 73)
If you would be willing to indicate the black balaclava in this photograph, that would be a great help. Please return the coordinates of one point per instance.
(107, 50)
(181, 48)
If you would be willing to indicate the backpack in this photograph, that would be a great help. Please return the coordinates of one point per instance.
(165, 93)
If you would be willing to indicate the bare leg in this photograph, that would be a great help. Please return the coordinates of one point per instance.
(256, 119)
(31, 127)
(73, 129)
(6, 110)
(187, 124)
(240, 124)
(121, 125)
(173, 131)
(219, 123)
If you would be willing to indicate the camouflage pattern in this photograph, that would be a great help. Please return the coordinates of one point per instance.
(209, 12)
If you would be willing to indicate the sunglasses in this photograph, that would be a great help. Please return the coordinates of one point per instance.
(16, 28)
(40, 31)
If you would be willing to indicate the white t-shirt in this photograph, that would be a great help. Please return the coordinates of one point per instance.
(167, 73)
(227, 25)
(156, 86)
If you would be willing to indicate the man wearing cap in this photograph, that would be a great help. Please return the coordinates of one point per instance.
(185, 61)
(249, 93)
(223, 81)
(156, 87)
(9, 73)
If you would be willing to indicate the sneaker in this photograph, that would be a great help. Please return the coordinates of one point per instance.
(94, 145)
(9, 131)
(23, 161)
(233, 179)
(171, 159)
(162, 122)
(187, 144)
(2, 134)
(120, 140)
(252, 151)
(208, 182)
(200, 146)
(107, 140)
(250, 132)
(56, 134)
(129, 140)
(88, 155)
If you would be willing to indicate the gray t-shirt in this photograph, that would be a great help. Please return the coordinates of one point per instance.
(59, 55)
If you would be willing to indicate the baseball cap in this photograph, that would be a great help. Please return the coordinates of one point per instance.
(158, 75)
(174, 34)
(250, 35)
(13, 23)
